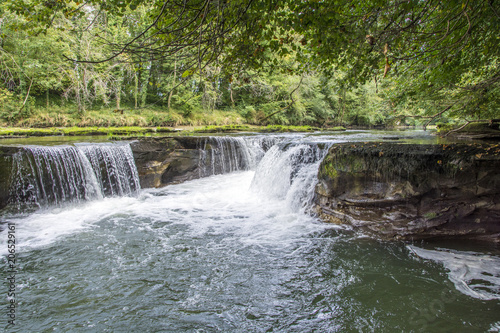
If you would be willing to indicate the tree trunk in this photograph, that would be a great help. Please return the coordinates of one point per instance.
(144, 85)
(343, 107)
(118, 97)
(27, 95)
(78, 92)
(173, 85)
(118, 91)
(136, 88)
(231, 94)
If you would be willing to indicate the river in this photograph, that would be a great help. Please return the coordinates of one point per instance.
(237, 252)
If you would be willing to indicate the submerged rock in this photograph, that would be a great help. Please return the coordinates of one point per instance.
(407, 191)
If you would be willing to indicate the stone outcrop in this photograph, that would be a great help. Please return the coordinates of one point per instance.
(393, 190)
(160, 161)
(167, 160)
(172, 160)
(406, 191)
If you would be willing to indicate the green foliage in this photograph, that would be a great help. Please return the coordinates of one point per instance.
(281, 129)
(8, 106)
(315, 63)
(76, 131)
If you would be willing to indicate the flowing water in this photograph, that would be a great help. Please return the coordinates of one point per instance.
(231, 252)
(52, 176)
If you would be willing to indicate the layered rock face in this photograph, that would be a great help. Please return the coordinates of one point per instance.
(161, 161)
(393, 190)
(406, 191)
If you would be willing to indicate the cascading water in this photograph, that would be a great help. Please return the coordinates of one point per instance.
(220, 155)
(54, 175)
(114, 168)
(285, 169)
(288, 171)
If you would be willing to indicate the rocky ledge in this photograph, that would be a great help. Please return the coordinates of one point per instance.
(162, 161)
(406, 191)
(6, 154)
(172, 160)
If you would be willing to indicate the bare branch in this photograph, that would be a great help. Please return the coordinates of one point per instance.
(467, 123)
(437, 115)
(27, 95)
(290, 104)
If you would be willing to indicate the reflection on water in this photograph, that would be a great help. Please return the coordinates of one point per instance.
(474, 274)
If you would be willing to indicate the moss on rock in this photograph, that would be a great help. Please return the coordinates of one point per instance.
(412, 191)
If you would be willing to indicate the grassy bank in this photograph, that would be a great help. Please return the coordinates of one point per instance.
(61, 117)
(74, 131)
(10, 132)
(60, 121)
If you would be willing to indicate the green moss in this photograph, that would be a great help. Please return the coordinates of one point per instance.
(430, 215)
(222, 129)
(165, 130)
(29, 131)
(329, 170)
(282, 128)
(77, 131)
(139, 130)
(336, 129)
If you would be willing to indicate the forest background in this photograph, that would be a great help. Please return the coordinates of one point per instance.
(213, 62)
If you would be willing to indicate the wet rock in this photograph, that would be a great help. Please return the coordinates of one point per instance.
(5, 173)
(166, 160)
(408, 191)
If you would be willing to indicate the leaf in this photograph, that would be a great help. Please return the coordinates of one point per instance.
(187, 73)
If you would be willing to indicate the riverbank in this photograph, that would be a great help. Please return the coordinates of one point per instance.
(478, 131)
(16, 132)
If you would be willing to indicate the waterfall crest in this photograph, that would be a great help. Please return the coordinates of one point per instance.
(220, 155)
(53, 175)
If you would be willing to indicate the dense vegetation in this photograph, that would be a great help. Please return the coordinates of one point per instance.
(320, 63)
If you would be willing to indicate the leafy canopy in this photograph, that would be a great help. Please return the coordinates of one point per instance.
(431, 54)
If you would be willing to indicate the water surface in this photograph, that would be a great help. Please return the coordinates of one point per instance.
(239, 252)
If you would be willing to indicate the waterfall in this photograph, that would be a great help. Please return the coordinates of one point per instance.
(289, 171)
(114, 168)
(285, 169)
(220, 155)
(54, 175)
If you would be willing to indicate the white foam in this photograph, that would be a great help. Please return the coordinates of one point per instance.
(474, 274)
(45, 227)
(221, 204)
